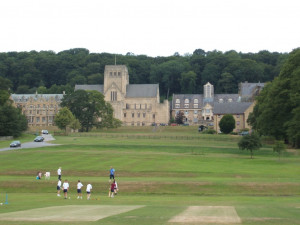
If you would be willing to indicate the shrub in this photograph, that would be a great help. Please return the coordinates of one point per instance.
(209, 131)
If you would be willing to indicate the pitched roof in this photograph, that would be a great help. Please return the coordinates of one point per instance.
(142, 90)
(190, 97)
(231, 107)
(226, 97)
(26, 97)
(133, 90)
(247, 89)
(89, 87)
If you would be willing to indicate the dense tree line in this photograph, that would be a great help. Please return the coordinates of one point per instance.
(12, 121)
(277, 112)
(50, 72)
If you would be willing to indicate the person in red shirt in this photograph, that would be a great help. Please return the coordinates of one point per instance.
(112, 189)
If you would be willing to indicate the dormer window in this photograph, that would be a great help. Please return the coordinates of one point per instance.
(196, 101)
(230, 100)
(221, 100)
(178, 100)
(186, 101)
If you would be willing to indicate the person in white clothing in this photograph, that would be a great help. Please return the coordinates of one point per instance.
(66, 188)
(58, 187)
(59, 173)
(88, 191)
(79, 186)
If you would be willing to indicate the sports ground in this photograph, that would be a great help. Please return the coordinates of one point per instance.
(170, 175)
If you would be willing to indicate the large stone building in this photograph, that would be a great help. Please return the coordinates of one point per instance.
(39, 109)
(207, 108)
(133, 104)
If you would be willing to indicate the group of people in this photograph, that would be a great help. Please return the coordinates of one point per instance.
(65, 186)
(113, 190)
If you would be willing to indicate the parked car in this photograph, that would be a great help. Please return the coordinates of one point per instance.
(45, 132)
(15, 144)
(39, 139)
(243, 133)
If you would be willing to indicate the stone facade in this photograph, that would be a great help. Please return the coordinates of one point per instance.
(239, 110)
(134, 105)
(200, 109)
(39, 109)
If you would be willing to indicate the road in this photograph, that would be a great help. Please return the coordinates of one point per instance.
(48, 137)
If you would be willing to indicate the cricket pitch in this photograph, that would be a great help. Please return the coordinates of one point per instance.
(207, 214)
(68, 213)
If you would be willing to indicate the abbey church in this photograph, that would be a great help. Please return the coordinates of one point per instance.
(133, 104)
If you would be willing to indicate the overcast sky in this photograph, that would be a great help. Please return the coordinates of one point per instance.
(150, 27)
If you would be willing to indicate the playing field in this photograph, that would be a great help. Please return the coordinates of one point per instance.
(171, 175)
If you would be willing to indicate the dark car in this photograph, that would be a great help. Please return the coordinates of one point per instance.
(39, 139)
(15, 144)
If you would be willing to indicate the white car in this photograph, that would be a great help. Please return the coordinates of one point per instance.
(45, 132)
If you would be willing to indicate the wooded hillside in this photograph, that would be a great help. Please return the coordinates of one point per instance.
(50, 72)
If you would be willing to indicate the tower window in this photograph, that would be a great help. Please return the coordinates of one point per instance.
(113, 96)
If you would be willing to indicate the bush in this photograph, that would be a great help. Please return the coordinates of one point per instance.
(209, 131)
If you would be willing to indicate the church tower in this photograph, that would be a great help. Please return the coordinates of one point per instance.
(116, 79)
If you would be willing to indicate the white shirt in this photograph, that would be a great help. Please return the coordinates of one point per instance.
(116, 185)
(59, 183)
(89, 187)
(59, 172)
(66, 185)
(79, 185)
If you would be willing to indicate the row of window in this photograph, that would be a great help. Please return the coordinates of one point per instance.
(32, 119)
(196, 101)
(138, 106)
(37, 106)
(237, 116)
(115, 74)
(196, 106)
(39, 111)
(138, 115)
(138, 123)
(186, 101)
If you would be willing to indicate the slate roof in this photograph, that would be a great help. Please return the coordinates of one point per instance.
(231, 107)
(142, 90)
(133, 90)
(247, 89)
(26, 97)
(226, 97)
(190, 97)
(90, 87)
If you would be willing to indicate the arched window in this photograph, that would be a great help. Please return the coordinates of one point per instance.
(221, 100)
(196, 101)
(186, 101)
(177, 100)
(230, 100)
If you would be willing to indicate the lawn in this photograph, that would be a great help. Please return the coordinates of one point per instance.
(164, 171)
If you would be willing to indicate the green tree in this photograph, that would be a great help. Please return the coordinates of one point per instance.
(12, 121)
(64, 118)
(188, 82)
(278, 105)
(227, 124)
(90, 109)
(75, 124)
(250, 143)
(279, 148)
(226, 83)
(179, 117)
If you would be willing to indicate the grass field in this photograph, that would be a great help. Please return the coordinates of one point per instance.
(167, 175)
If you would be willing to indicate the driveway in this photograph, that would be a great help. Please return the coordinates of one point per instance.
(48, 137)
